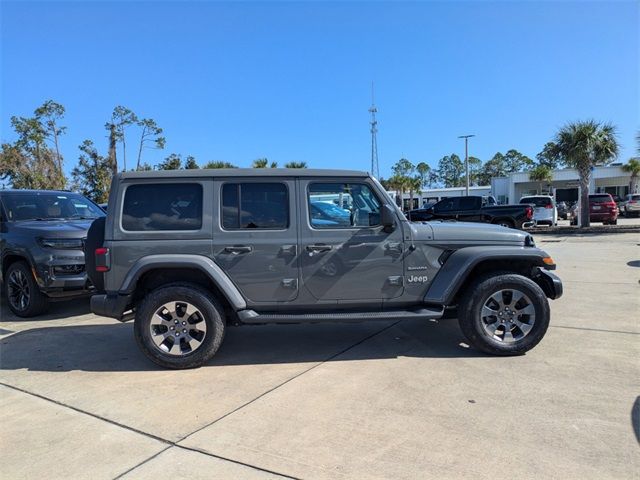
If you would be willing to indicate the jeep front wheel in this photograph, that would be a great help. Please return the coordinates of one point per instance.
(504, 314)
(179, 326)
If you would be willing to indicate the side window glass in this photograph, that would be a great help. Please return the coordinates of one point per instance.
(447, 205)
(467, 203)
(255, 205)
(342, 205)
(162, 206)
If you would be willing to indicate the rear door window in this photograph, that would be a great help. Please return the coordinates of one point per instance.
(255, 205)
(162, 206)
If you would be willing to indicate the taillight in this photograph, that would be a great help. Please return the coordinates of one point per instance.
(103, 260)
(548, 205)
(529, 213)
(632, 201)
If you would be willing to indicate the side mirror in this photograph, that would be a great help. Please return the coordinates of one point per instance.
(388, 218)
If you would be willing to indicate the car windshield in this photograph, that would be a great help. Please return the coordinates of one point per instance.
(49, 206)
(537, 201)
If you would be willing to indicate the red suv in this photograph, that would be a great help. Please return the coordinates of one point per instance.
(602, 208)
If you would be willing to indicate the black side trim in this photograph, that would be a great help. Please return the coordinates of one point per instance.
(424, 313)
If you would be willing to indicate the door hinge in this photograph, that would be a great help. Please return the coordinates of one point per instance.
(290, 283)
(396, 280)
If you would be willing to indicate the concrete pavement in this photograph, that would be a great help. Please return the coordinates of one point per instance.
(374, 400)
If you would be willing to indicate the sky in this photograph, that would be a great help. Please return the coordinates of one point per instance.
(291, 81)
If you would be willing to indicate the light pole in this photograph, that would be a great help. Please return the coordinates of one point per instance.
(466, 157)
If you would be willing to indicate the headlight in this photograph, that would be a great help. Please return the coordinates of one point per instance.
(66, 243)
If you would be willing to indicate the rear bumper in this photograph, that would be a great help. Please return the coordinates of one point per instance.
(551, 284)
(112, 305)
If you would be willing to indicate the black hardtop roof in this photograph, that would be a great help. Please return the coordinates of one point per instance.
(244, 173)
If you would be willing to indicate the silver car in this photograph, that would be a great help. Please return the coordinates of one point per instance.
(544, 209)
(631, 205)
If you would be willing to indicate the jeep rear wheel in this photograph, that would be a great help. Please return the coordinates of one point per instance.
(504, 314)
(179, 326)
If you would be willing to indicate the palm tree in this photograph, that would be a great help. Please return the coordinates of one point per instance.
(296, 165)
(584, 145)
(414, 184)
(633, 167)
(219, 164)
(260, 163)
(541, 174)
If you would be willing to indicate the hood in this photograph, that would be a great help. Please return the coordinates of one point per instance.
(468, 233)
(53, 228)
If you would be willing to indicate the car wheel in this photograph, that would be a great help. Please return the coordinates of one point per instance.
(23, 294)
(505, 223)
(613, 222)
(179, 326)
(504, 314)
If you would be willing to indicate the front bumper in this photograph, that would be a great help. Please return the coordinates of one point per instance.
(112, 305)
(550, 283)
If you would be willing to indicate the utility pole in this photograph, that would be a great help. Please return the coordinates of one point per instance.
(375, 170)
(466, 157)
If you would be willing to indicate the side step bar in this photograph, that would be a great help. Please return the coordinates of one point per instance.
(251, 316)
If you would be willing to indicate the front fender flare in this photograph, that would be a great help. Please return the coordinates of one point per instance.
(460, 263)
(200, 262)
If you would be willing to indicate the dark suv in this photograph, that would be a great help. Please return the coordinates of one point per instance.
(42, 236)
(189, 252)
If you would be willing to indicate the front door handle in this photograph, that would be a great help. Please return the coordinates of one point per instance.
(237, 249)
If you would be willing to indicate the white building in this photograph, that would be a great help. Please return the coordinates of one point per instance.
(564, 186)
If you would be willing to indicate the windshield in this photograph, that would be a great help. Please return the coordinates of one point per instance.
(49, 206)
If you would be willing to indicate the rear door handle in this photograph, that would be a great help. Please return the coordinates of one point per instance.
(238, 249)
(318, 248)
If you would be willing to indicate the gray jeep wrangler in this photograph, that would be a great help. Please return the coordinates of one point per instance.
(187, 253)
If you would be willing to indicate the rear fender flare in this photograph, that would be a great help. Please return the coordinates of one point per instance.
(200, 262)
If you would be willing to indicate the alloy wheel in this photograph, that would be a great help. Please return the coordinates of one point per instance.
(178, 328)
(508, 315)
(18, 290)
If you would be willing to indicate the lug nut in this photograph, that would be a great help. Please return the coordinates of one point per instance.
(184, 330)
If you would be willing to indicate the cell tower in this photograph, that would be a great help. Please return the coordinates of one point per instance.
(375, 170)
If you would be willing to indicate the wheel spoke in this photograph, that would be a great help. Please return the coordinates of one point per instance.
(498, 297)
(158, 320)
(175, 348)
(524, 327)
(190, 310)
(488, 312)
(193, 343)
(527, 310)
(508, 336)
(492, 327)
(516, 296)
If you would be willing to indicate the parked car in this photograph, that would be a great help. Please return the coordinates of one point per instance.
(475, 209)
(42, 234)
(563, 210)
(544, 209)
(631, 205)
(239, 246)
(619, 201)
(602, 208)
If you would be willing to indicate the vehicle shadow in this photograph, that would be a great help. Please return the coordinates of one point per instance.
(58, 310)
(111, 347)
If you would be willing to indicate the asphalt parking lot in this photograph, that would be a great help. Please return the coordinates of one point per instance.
(397, 400)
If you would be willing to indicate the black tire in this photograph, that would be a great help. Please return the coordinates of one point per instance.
(613, 222)
(473, 300)
(213, 316)
(37, 303)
